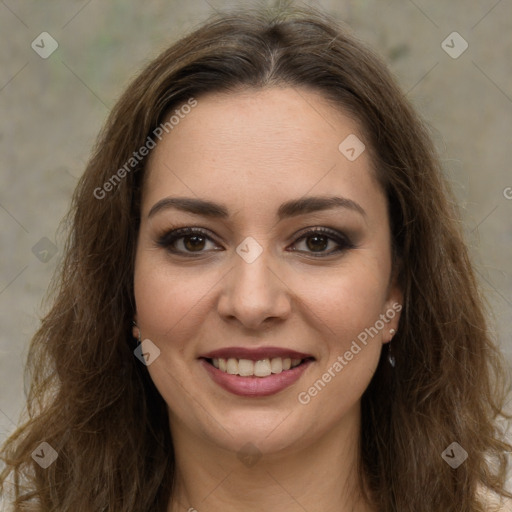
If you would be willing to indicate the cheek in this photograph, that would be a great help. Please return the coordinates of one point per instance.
(346, 309)
(169, 298)
(168, 312)
(341, 301)
(347, 300)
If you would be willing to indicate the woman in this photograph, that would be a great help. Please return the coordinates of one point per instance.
(266, 302)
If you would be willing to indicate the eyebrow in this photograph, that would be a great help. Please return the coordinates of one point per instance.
(288, 209)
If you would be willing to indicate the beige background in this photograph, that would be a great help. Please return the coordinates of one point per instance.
(53, 108)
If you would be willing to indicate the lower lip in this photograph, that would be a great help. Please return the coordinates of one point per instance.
(255, 386)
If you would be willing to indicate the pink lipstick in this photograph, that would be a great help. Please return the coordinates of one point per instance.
(255, 372)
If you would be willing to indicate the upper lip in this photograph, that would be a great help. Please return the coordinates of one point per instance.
(255, 354)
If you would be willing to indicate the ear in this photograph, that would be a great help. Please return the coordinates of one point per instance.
(392, 308)
(135, 329)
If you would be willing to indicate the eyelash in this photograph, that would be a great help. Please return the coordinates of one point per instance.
(169, 238)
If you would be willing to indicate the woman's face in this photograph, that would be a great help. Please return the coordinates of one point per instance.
(270, 277)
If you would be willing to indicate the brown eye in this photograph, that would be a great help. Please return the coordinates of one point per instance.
(185, 241)
(317, 241)
(194, 242)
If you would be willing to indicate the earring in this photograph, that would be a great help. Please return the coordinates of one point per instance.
(391, 357)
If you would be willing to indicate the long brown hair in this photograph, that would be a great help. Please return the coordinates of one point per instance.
(94, 403)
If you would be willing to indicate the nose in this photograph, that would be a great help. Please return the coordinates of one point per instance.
(254, 294)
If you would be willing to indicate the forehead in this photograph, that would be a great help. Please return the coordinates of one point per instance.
(259, 146)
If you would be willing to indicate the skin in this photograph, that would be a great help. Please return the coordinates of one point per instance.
(253, 150)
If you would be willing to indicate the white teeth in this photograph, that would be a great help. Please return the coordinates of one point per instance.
(248, 368)
(262, 368)
(276, 365)
(232, 366)
(245, 367)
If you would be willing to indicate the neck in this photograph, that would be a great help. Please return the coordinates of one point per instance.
(322, 475)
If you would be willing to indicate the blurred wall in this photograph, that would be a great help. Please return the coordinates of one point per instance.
(53, 105)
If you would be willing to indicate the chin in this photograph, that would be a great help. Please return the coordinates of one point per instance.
(268, 434)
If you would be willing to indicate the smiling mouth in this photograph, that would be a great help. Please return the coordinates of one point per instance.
(259, 368)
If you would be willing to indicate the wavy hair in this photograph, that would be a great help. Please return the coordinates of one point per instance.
(95, 404)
